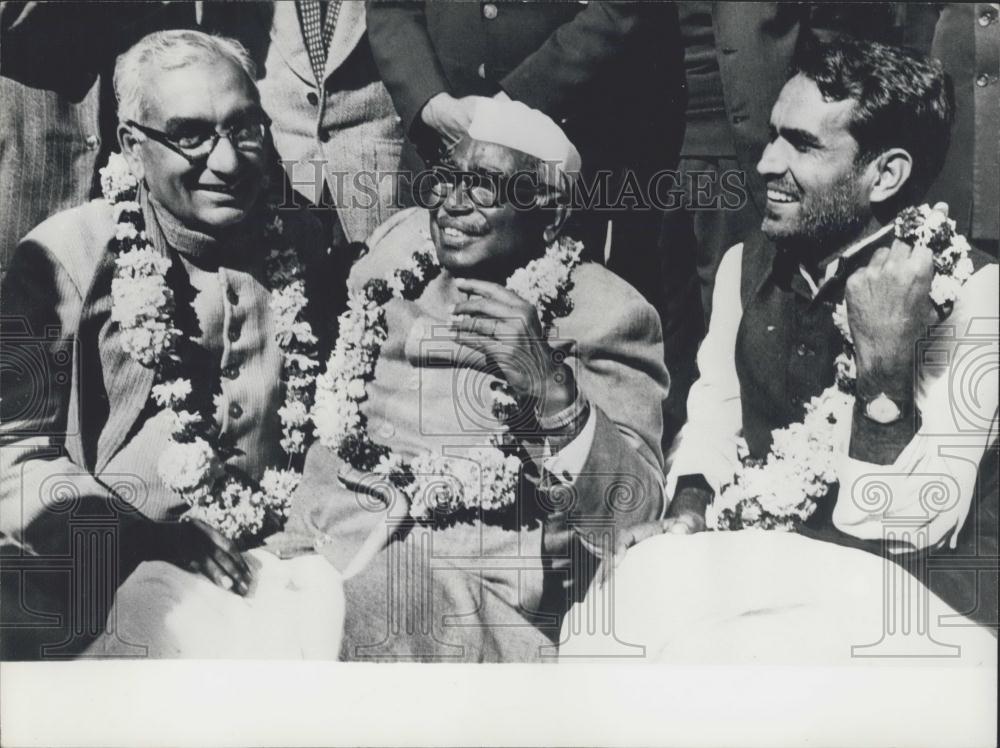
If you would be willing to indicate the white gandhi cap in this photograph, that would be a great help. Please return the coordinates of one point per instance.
(518, 126)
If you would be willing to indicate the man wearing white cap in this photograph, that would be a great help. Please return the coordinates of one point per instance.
(485, 575)
(489, 419)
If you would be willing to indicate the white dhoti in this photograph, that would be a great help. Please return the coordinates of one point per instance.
(294, 610)
(768, 598)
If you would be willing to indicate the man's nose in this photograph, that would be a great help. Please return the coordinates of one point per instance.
(223, 159)
(771, 163)
(457, 201)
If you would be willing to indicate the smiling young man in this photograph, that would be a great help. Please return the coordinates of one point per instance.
(857, 134)
(81, 418)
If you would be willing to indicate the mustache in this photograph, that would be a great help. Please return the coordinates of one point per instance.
(782, 186)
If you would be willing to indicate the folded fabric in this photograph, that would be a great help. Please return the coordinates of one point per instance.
(294, 610)
(768, 598)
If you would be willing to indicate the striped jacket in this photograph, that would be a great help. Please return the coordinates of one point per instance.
(341, 132)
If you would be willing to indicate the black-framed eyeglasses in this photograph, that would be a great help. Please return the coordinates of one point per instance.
(195, 142)
(485, 189)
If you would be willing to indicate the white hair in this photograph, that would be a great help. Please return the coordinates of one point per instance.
(168, 50)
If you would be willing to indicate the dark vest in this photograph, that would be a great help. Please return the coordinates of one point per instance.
(785, 345)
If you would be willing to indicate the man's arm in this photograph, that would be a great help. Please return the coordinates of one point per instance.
(41, 488)
(927, 460)
(406, 60)
(614, 365)
(706, 449)
(559, 72)
(704, 455)
(39, 312)
(889, 310)
(618, 365)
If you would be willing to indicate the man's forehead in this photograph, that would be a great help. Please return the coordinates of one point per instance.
(491, 157)
(801, 106)
(209, 88)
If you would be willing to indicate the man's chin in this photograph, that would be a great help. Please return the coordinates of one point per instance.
(463, 263)
(456, 261)
(776, 230)
(219, 218)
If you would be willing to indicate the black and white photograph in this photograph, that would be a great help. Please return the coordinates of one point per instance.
(525, 372)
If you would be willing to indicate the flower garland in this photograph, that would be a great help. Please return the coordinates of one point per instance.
(781, 491)
(487, 478)
(142, 304)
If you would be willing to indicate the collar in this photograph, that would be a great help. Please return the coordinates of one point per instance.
(849, 259)
(788, 273)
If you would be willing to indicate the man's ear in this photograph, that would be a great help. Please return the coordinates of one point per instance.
(892, 171)
(130, 142)
(557, 204)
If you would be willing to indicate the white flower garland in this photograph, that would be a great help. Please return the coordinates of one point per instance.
(781, 491)
(193, 462)
(435, 485)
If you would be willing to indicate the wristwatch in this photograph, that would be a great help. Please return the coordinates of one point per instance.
(883, 410)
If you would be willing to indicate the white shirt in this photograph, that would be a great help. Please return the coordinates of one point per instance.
(927, 492)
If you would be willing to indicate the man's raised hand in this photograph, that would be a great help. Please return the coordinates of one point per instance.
(449, 116)
(888, 310)
(505, 328)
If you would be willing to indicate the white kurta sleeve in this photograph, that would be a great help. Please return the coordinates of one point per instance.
(708, 443)
(927, 492)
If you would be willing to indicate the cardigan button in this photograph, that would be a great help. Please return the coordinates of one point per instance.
(490, 11)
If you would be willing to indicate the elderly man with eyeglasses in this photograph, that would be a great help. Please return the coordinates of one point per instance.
(508, 345)
(87, 409)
